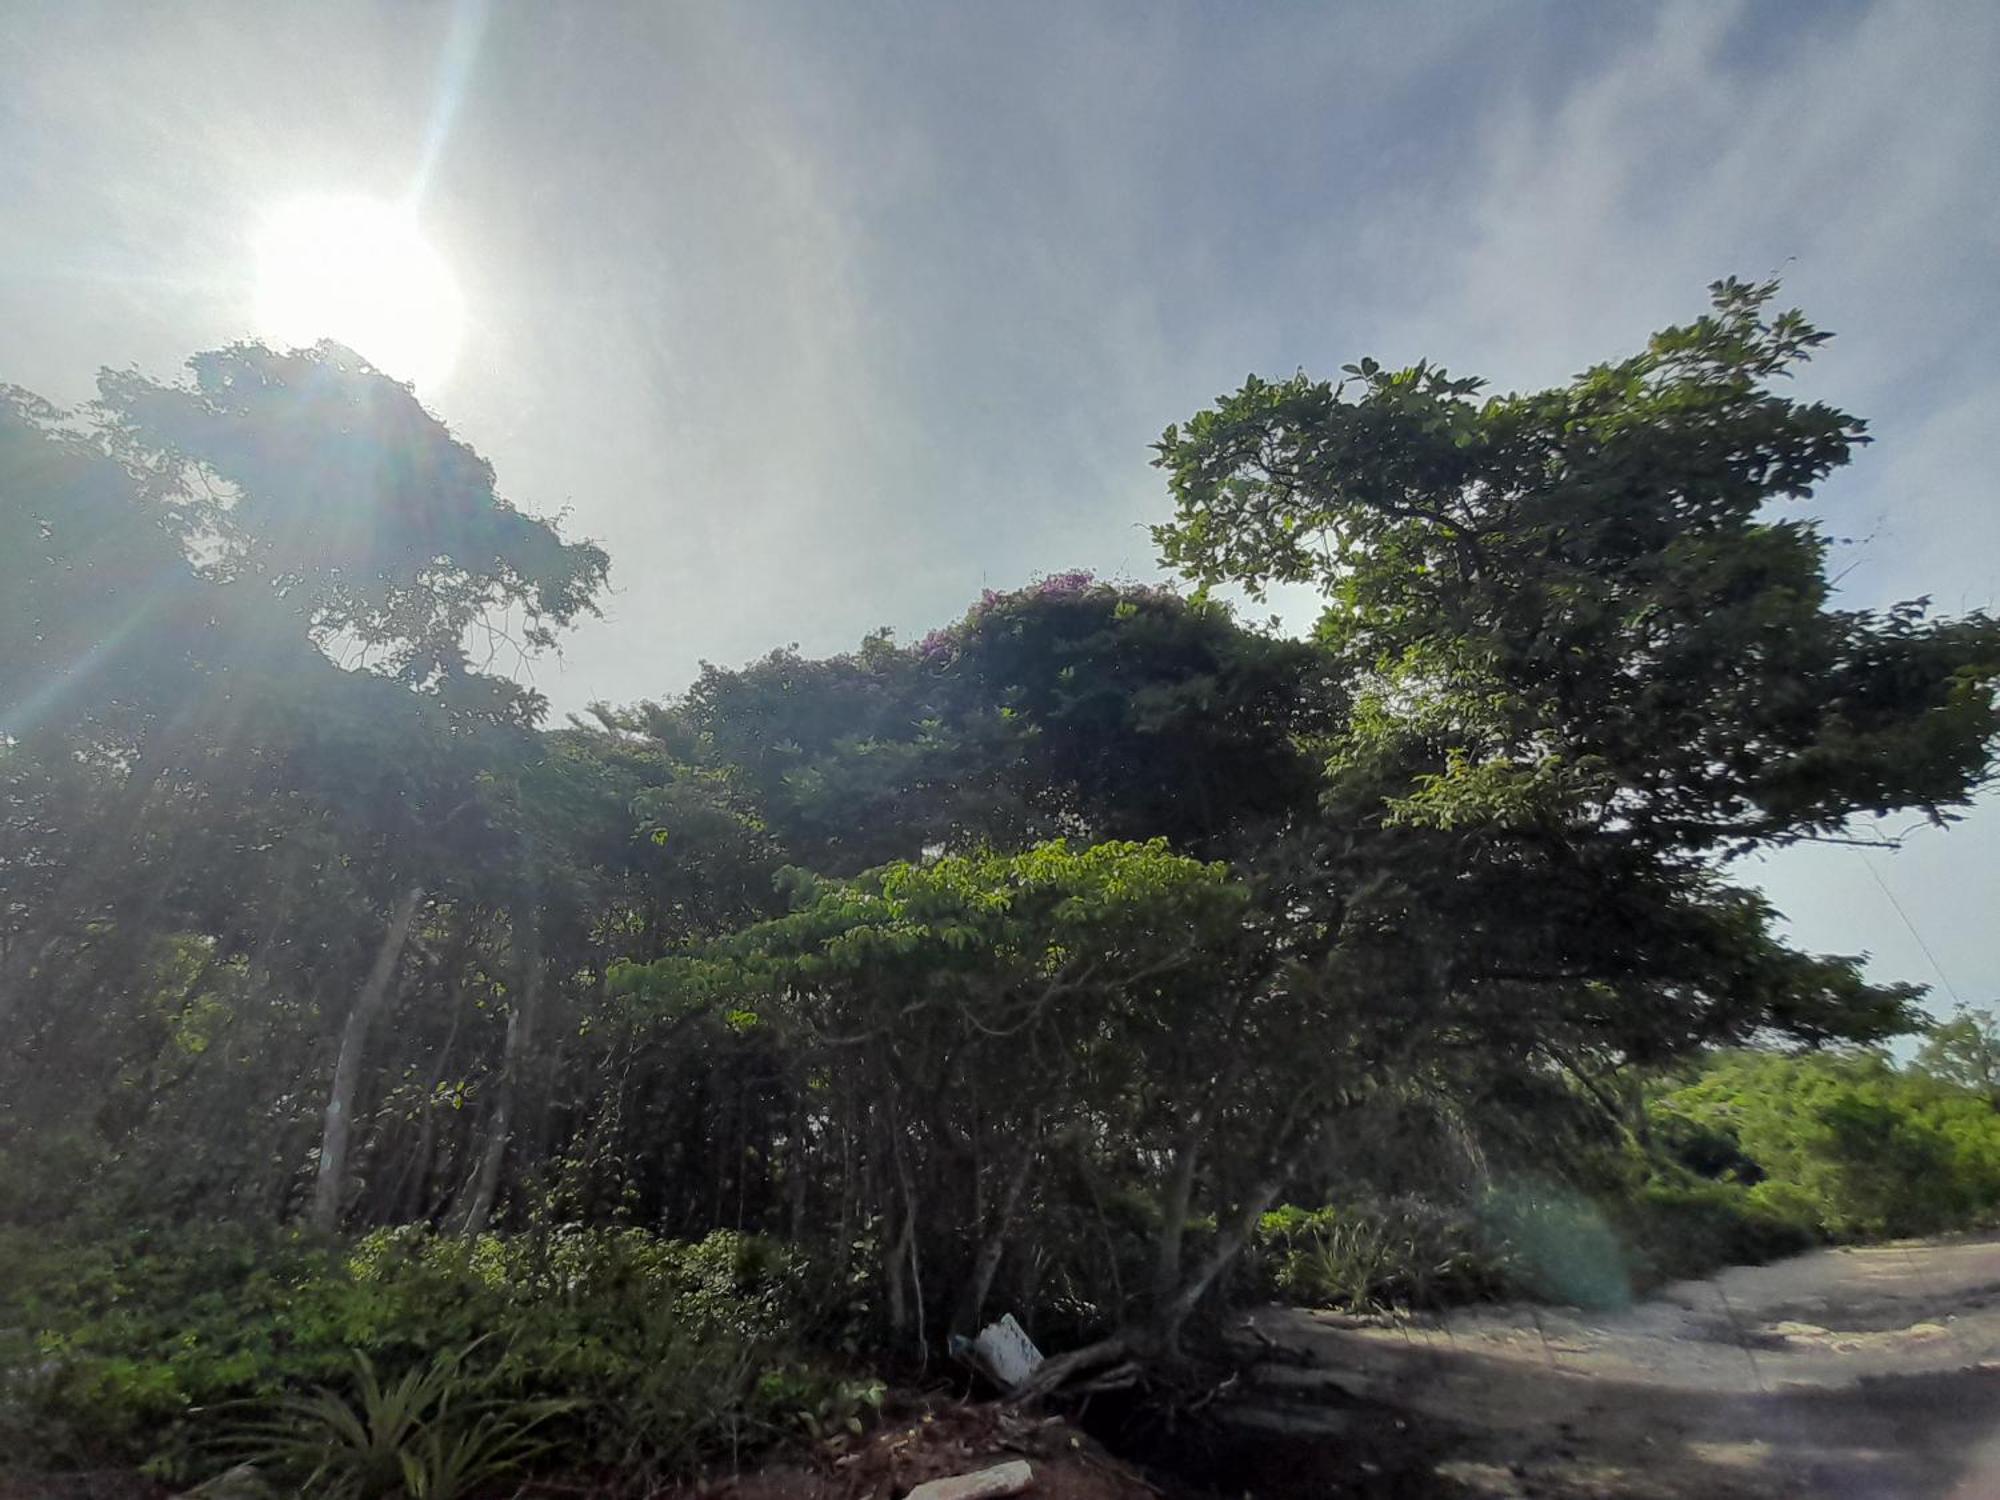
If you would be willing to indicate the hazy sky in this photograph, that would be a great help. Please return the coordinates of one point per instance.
(822, 316)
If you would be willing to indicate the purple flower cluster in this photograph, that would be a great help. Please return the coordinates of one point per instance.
(1074, 584)
(1062, 585)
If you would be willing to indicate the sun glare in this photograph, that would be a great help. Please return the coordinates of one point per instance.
(358, 271)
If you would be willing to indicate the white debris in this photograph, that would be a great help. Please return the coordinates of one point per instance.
(988, 1484)
(1006, 1352)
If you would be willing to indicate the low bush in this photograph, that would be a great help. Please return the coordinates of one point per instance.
(1373, 1254)
(661, 1353)
(1529, 1238)
(1560, 1244)
(419, 1434)
(1679, 1228)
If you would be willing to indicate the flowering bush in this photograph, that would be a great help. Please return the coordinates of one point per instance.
(1077, 583)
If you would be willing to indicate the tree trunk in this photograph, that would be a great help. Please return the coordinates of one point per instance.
(334, 1136)
(986, 1264)
(520, 1036)
(1171, 1314)
(1173, 1228)
(101, 848)
(1158, 1337)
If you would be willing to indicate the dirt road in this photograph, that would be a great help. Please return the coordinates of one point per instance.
(1867, 1374)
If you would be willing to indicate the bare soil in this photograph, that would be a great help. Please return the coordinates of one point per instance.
(1866, 1374)
(935, 1440)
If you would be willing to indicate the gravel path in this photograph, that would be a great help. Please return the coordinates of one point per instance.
(1865, 1374)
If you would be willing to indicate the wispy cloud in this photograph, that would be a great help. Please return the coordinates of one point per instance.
(823, 316)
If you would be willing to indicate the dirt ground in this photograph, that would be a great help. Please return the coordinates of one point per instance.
(937, 1440)
(1864, 1374)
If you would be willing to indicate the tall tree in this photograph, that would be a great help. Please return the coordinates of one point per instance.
(267, 579)
(1580, 604)
(1074, 707)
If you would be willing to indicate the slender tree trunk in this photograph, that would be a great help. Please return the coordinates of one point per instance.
(413, 1190)
(107, 844)
(892, 1174)
(335, 1135)
(1642, 1121)
(1158, 1337)
(794, 1162)
(1173, 1228)
(416, 1179)
(986, 1264)
(1171, 1314)
(485, 1187)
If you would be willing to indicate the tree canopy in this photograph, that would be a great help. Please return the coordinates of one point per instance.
(1580, 605)
(1026, 964)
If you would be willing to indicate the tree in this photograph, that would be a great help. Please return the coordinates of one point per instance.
(1965, 1052)
(311, 477)
(205, 549)
(1586, 659)
(978, 1033)
(1026, 964)
(1577, 605)
(1071, 708)
(1844, 1140)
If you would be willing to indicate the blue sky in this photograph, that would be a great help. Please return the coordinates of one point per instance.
(822, 317)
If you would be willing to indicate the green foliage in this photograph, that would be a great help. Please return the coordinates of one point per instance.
(1074, 707)
(1028, 965)
(1398, 1252)
(128, 1336)
(1560, 1247)
(1576, 604)
(1529, 1239)
(1757, 1155)
(420, 1435)
(1675, 1228)
(1845, 1144)
(351, 502)
(831, 1413)
(996, 1033)
(1964, 1051)
(617, 1348)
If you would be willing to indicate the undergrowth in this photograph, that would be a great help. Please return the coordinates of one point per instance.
(622, 1353)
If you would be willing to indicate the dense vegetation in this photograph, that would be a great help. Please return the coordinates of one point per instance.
(623, 1092)
(1738, 1156)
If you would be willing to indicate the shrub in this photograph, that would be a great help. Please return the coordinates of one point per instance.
(660, 1353)
(1406, 1251)
(118, 1340)
(1674, 1229)
(1529, 1239)
(1845, 1143)
(421, 1434)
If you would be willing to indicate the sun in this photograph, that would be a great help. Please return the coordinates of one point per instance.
(358, 271)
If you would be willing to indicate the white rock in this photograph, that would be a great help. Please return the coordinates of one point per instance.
(987, 1484)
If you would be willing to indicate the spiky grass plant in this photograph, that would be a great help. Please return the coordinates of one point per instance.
(424, 1435)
